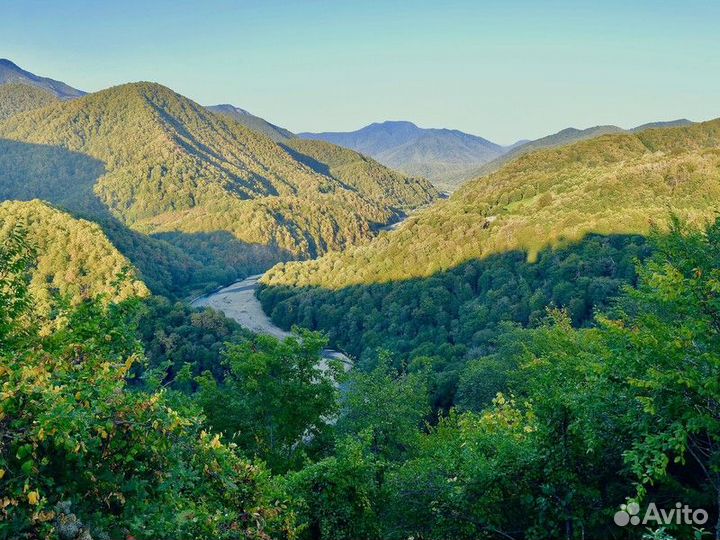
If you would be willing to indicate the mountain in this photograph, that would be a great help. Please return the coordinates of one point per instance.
(253, 122)
(74, 257)
(11, 73)
(18, 97)
(561, 138)
(671, 123)
(556, 228)
(145, 158)
(610, 184)
(433, 153)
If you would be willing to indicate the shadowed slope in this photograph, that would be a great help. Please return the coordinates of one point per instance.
(172, 167)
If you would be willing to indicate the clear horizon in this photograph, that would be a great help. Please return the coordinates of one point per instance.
(501, 70)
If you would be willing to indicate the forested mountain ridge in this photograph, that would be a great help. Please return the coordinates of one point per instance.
(356, 171)
(615, 184)
(12, 73)
(163, 165)
(556, 228)
(19, 97)
(250, 121)
(561, 138)
(437, 154)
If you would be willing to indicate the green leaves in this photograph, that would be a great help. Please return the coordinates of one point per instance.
(274, 397)
(129, 461)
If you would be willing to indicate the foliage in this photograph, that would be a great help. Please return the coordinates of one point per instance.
(73, 433)
(666, 340)
(386, 407)
(74, 257)
(339, 498)
(175, 336)
(459, 315)
(587, 419)
(615, 184)
(273, 396)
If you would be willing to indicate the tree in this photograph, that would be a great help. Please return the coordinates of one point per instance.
(73, 434)
(386, 405)
(275, 394)
(665, 344)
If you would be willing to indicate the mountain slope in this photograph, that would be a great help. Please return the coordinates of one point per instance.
(253, 122)
(614, 184)
(434, 153)
(163, 165)
(358, 172)
(666, 124)
(11, 73)
(18, 97)
(503, 249)
(562, 138)
(74, 257)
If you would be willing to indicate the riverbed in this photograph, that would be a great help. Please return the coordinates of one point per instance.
(238, 302)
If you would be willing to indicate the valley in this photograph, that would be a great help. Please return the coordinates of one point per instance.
(215, 327)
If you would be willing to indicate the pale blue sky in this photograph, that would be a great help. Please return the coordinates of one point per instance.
(500, 69)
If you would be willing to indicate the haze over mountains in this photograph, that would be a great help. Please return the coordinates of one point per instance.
(450, 157)
(11, 73)
(436, 154)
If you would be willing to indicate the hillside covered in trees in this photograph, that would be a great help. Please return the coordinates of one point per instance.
(17, 97)
(75, 259)
(105, 437)
(145, 157)
(561, 138)
(555, 228)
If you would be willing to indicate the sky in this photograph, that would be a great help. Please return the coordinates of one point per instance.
(504, 70)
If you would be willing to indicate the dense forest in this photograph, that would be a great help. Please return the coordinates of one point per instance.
(502, 249)
(531, 358)
(142, 157)
(109, 434)
(456, 316)
(614, 184)
(16, 98)
(75, 260)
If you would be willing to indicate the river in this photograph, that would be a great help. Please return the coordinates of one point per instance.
(238, 302)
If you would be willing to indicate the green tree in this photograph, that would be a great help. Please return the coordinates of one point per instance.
(274, 395)
(125, 461)
(665, 344)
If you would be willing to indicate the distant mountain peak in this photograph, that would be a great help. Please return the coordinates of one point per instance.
(227, 107)
(250, 121)
(394, 123)
(436, 153)
(10, 72)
